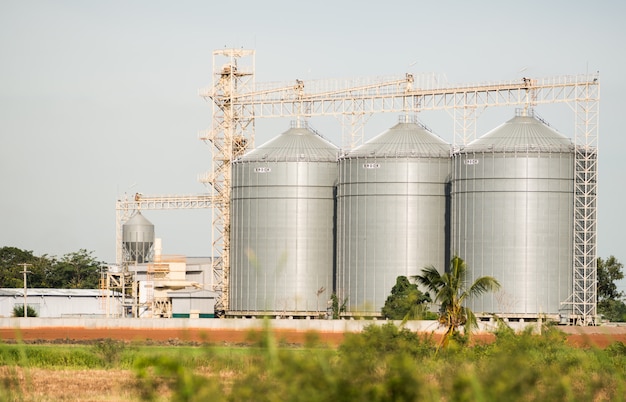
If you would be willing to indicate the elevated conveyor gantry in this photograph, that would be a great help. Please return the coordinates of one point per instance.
(237, 101)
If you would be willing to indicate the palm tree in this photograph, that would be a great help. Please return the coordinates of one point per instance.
(451, 292)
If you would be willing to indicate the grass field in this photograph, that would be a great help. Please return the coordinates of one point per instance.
(384, 363)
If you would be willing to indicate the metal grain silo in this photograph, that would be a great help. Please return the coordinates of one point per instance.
(137, 239)
(282, 224)
(391, 203)
(512, 197)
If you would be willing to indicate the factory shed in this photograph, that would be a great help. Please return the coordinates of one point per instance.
(57, 303)
(193, 303)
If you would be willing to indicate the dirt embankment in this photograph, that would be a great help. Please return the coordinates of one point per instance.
(162, 335)
(576, 336)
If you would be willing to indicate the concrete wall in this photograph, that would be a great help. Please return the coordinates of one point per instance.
(338, 326)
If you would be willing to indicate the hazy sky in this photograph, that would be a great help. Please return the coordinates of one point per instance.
(100, 98)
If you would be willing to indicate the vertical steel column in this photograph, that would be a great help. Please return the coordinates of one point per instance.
(231, 134)
(124, 209)
(585, 202)
(464, 123)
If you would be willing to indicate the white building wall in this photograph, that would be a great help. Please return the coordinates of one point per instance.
(65, 303)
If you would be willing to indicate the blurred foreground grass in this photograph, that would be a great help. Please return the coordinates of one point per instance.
(383, 363)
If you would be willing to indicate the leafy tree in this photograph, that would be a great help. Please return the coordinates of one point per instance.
(610, 304)
(336, 307)
(609, 272)
(78, 270)
(405, 302)
(74, 270)
(613, 310)
(11, 272)
(451, 292)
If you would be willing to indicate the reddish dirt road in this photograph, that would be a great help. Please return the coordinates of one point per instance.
(582, 337)
(162, 335)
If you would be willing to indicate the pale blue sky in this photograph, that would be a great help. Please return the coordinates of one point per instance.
(99, 98)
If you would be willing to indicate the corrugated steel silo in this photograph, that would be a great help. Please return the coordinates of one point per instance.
(282, 224)
(391, 202)
(137, 239)
(512, 197)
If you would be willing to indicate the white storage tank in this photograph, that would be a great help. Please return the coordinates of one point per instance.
(137, 239)
(391, 200)
(282, 226)
(513, 198)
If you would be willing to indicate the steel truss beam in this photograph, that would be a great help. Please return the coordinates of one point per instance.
(126, 207)
(397, 95)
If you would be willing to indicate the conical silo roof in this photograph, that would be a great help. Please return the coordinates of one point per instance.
(403, 140)
(137, 221)
(295, 145)
(522, 131)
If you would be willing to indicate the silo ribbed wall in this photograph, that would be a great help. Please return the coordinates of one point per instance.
(513, 220)
(391, 215)
(282, 240)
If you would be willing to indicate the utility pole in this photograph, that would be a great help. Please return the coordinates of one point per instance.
(25, 271)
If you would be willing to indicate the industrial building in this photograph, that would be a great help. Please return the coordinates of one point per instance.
(150, 284)
(58, 303)
(299, 219)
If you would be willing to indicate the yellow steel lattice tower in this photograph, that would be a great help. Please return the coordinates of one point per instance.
(231, 134)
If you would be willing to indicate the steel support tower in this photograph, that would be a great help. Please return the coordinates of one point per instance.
(237, 101)
(231, 134)
(586, 111)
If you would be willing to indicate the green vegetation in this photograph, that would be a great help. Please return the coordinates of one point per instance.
(610, 301)
(77, 270)
(451, 292)
(106, 354)
(18, 311)
(336, 307)
(406, 302)
(383, 363)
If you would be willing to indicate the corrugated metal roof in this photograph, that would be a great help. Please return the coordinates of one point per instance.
(295, 145)
(403, 140)
(138, 220)
(522, 133)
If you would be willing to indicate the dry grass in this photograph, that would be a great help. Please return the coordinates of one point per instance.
(35, 384)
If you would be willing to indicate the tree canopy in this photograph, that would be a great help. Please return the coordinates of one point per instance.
(406, 301)
(77, 270)
(610, 300)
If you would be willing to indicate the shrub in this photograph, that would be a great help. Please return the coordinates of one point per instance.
(109, 351)
(18, 311)
(406, 301)
(387, 338)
